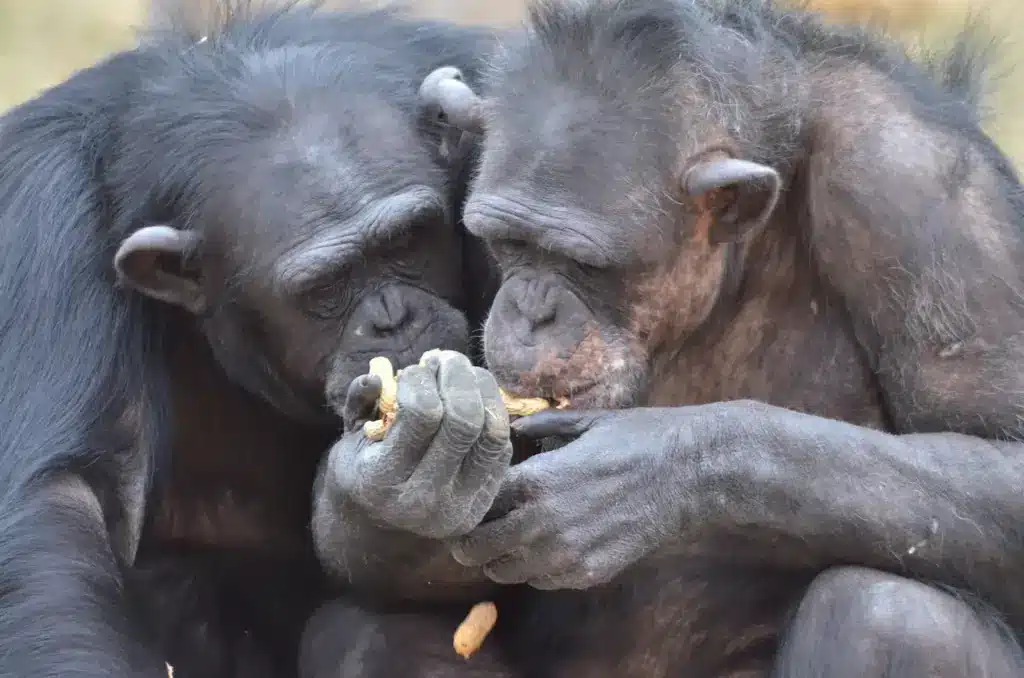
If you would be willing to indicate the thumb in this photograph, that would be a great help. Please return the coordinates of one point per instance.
(558, 423)
(361, 401)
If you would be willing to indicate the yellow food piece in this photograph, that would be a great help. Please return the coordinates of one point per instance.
(389, 389)
(523, 407)
(387, 404)
(470, 635)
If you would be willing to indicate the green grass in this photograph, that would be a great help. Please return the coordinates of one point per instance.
(44, 41)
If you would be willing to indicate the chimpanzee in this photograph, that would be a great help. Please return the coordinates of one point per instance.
(775, 265)
(195, 233)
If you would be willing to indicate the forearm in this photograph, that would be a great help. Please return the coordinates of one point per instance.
(367, 557)
(944, 507)
(62, 607)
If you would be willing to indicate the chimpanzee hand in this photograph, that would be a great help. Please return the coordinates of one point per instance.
(578, 516)
(439, 468)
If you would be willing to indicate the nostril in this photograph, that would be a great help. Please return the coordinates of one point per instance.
(544, 313)
(535, 309)
(391, 312)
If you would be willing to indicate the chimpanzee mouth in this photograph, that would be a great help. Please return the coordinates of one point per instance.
(575, 397)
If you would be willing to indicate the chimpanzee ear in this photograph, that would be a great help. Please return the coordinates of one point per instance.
(152, 260)
(737, 197)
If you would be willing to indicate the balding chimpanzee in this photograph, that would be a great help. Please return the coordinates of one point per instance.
(195, 233)
(775, 265)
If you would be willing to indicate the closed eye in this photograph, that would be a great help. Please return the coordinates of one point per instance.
(327, 299)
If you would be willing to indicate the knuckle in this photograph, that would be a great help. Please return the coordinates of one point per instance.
(487, 466)
(425, 409)
(496, 429)
(430, 518)
(465, 414)
(480, 499)
(460, 430)
(418, 399)
(449, 358)
(487, 383)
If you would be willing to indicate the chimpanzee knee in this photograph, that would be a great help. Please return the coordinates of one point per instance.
(859, 622)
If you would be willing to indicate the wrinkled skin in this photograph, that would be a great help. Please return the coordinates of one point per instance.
(577, 516)
(439, 468)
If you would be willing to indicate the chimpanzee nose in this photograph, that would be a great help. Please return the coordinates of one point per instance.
(389, 312)
(535, 301)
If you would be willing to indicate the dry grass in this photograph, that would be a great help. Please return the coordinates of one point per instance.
(43, 41)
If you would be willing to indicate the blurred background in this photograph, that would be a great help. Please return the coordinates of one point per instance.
(44, 41)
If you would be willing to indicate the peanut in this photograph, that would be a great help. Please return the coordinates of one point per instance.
(470, 635)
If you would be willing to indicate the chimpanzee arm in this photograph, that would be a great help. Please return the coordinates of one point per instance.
(63, 605)
(919, 228)
(73, 355)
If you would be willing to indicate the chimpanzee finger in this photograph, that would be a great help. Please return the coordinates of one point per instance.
(493, 451)
(566, 572)
(417, 421)
(463, 419)
(558, 423)
(513, 493)
(534, 563)
(496, 540)
(560, 582)
(361, 401)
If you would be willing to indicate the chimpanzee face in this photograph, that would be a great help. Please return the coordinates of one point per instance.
(319, 251)
(569, 199)
(608, 198)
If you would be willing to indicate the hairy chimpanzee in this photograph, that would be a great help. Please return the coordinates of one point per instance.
(196, 233)
(775, 264)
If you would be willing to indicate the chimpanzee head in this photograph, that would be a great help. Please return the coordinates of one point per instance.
(610, 190)
(306, 222)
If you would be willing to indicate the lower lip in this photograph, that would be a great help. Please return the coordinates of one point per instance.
(578, 394)
(578, 398)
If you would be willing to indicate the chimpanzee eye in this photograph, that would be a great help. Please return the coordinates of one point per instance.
(409, 250)
(588, 270)
(324, 300)
(401, 246)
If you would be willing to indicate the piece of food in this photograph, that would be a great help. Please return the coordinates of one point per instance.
(522, 407)
(470, 635)
(170, 671)
(387, 404)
